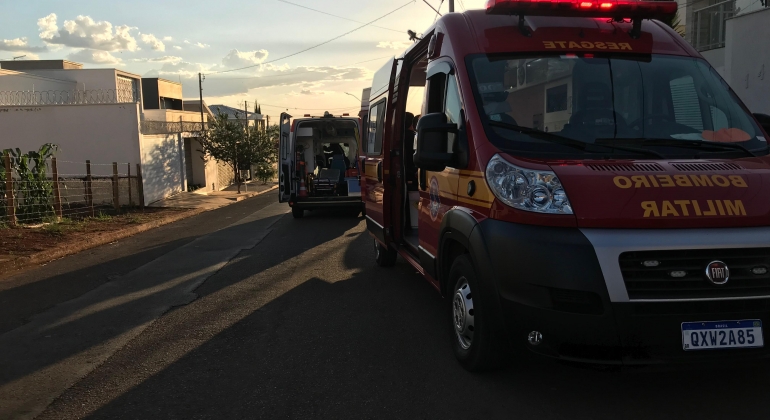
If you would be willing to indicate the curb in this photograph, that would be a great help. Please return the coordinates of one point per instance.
(43, 257)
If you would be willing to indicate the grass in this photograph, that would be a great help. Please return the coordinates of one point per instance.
(102, 216)
(60, 227)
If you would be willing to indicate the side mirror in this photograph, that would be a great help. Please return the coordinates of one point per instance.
(433, 151)
(764, 121)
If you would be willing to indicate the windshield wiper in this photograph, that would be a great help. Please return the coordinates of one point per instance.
(687, 144)
(566, 141)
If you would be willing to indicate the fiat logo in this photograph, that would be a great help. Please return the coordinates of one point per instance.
(717, 272)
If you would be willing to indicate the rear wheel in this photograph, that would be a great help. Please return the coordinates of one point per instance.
(474, 338)
(384, 256)
(297, 212)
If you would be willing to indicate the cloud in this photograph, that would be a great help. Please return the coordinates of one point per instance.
(236, 58)
(30, 56)
(164, 59)
(177, 47)
(167, 38)
(84, 32)
(94, 57)
(18, 44)
(394, 45)
(153, 42)
(197, 44)
(179, 68)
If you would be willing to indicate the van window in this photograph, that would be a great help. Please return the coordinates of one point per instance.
(436, 89)
(657, 101)
(374, 137)
(452, 107)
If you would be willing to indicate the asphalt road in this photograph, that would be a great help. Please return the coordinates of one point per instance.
(305, 325)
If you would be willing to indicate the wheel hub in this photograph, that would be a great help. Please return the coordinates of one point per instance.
(462, 314)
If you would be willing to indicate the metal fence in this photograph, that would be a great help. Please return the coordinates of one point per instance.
(68, 97)
(710, 24)
(75, 193)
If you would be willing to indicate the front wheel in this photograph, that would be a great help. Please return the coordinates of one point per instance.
(384, 256)
(474, 338)
(297, 212)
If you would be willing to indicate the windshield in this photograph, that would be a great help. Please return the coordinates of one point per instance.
(656, 102)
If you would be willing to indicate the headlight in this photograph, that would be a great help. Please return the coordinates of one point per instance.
(526, 189)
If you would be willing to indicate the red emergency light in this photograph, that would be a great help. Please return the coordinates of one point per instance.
(633, 9)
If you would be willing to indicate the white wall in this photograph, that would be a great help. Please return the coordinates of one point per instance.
(162, 165)
(716, 58)
(93, 78)
(102, 133)
(171, 115)
(747, 59)
(17, 81)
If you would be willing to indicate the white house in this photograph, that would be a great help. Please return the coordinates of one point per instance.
(733, 36)
(105, 116)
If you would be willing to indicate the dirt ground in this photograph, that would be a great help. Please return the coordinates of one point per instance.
(25, 240)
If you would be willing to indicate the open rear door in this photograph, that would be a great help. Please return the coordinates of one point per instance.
(286, 157)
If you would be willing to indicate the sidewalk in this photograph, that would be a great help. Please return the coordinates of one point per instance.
(215, 199)
(50, 243)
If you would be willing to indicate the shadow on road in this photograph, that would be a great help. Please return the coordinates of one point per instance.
(306, 326)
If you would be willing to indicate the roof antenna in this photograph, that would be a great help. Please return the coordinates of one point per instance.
(636, 29)
(522, 28)
(413, 35)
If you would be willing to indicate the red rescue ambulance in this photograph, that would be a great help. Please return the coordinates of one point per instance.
(582, 182)
(319, 163)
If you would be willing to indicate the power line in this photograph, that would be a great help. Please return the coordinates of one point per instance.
(323, 43)
(310, 109)
(295, 73)
(462, 5)
(434, 9)
(439, 8)
(339, 17)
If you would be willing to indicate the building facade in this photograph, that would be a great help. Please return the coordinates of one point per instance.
(105, 116)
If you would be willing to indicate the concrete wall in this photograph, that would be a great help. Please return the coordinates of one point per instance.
(747, 59)
(171, 115)
(102, 133)
(716, 58)
(162, 166)
(92, 78)
(16, 81)
(24, 65)
(169, 89)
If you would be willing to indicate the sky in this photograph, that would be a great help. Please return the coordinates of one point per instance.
(176, 40)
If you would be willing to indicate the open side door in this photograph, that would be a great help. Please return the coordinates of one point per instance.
(286, 157)
(376, 184)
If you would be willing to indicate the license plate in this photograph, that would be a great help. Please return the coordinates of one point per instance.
(722, 335)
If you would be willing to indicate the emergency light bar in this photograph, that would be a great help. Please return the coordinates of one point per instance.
(632, 9)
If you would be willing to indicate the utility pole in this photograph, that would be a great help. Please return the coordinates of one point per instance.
(451, 6)
(200, 88)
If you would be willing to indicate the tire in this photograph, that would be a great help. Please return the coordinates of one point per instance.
(297, 212)
(385, 257)
(475, 337)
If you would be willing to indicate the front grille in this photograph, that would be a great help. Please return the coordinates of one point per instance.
(699, 166)
(625, 167)
(647, 282)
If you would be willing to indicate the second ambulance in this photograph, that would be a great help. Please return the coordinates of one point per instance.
(582, 182)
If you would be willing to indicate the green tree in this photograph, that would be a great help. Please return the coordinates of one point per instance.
(241, 147)
(32, 188)
(223, 141)
(265, 145)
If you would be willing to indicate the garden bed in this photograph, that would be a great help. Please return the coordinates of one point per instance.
(24, 242)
